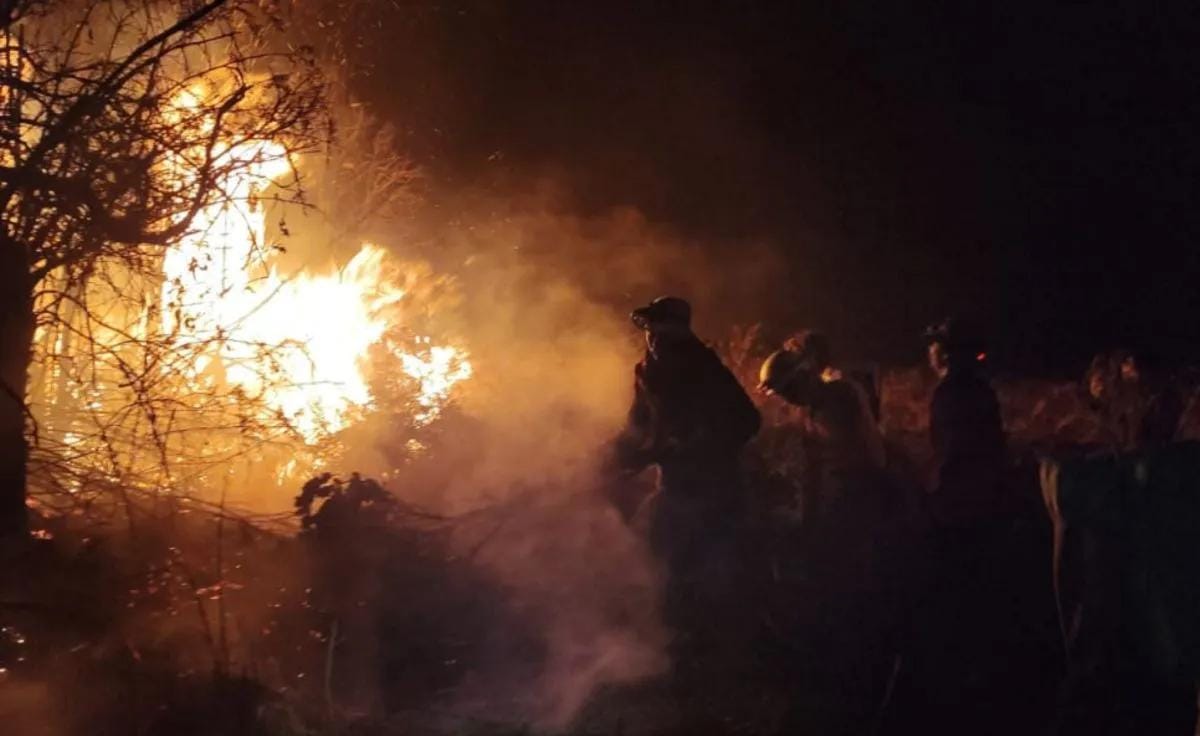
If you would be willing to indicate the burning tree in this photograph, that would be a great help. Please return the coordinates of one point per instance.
(127, 124)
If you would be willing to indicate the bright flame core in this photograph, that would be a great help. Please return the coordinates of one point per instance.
(437, 374)
(297, 343)
(222, 371)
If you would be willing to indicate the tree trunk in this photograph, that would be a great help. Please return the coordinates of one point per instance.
(16, 338)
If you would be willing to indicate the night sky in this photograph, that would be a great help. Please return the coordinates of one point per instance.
(1032, 163)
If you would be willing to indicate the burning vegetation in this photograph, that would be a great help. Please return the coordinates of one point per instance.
(211, 360)
(298, 456)
(194, 329)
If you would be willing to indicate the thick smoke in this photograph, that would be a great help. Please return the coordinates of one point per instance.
(539, 293)
(576, 577)
(542, 305)
(545, 298)
(540, 296)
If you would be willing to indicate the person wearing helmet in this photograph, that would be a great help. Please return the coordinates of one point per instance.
(690, 417)
(689, 412)
(1147, 404)
(848, 500)
(965, 427)
(1100, 425)
(1107, 510)
(845, 447)
(814, 349)
(952, 678)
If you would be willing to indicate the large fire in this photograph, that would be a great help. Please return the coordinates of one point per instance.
(255, 348)
(220, 284)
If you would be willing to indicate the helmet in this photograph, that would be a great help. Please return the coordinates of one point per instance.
(957, 337)
(669, 310)
(780, 368)
(812, 346)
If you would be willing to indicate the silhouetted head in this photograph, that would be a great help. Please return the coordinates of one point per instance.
(954, 344)
(1139, 367)
(1099, 378)
(812, 347)
(790, 375)
(666, 318)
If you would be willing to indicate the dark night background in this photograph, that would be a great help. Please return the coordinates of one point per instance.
(1032, 162)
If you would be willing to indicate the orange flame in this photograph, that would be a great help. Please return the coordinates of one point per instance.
(262, 345)
(298, 342)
